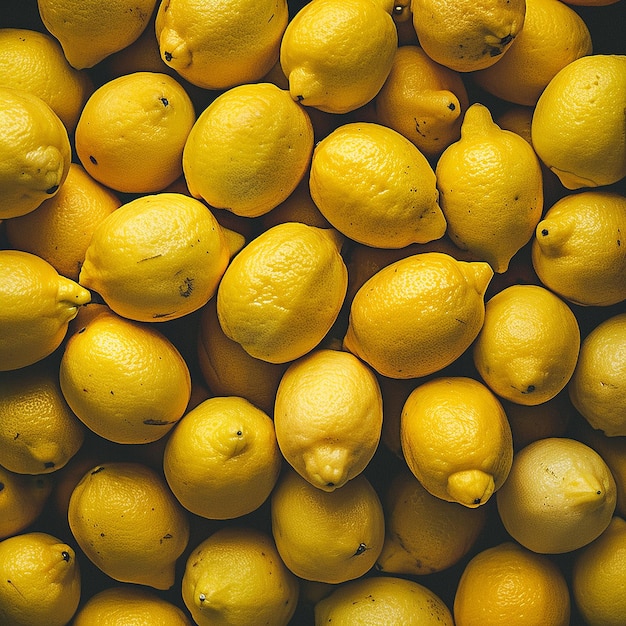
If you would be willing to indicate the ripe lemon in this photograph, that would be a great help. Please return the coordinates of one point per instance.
(417, 315)
(466, 36)
(578, 145)
(236, 577)
(89, 31)
(491, 189)
(248, 150)
(422, 100)
(125, 381)
(132, 131)
(508, 584)
(156, 258)
(40, 580)
(328, 417)
(578, 250)
(37, 305)
(60, 230)
(373, 185)
(128, 523)
(282, 293)
(338, 53)
(383, 600)
(36, 152)
(559, 496)
(423, 533)
(327, 536)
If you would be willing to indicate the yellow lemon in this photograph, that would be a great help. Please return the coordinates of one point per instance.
(282, 293)
(128, 523)
(578, 250)
(132, 131)
(527, 348)
(338, 53)
(37, 305)
(125, 381)
(327, 536)
(156, 258)
(92, 30)
(373, 185)
(36, 152)
(34, 62)
(423, 533)
(508, 584)
(328, 417)
(491, 189)
(466, 36)
(417, 315)
(578, 145)
(236, 577)
(559, 496)
(60, 230)
(248, 150)
(422, 100)
(383, 600)
(39, 580)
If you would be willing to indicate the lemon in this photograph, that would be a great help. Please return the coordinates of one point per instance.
(373, 185)
(466, 36)
(40, 580)
(491, 189)
(34, 61)
(337, 54)
(423, 533)
(328, 417)
(121, 606)
(235, 577)
(327, 536)
(248, 150)
(37, 305)
(132, 131)
(559, 496)
(282, 293)
(578, 250)
(90, 31)
(508, 584)
(417, 315)
(60, 230)
(124, 380)
(527, 348)
(128, 523)
(35, 149)
(383, 600)
(156, 258)
(597, 387)
(578, 145)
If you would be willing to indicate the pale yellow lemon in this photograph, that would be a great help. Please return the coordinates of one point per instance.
(373, 185)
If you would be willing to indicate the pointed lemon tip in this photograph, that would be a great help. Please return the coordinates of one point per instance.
(471, 488)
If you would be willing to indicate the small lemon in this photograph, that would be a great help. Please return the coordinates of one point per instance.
(327, 536)
(559, 496)
(40, 581)
(374, 186)
(156, 258)
(248, 150)
(328, 417)
(417, 315)
(338, 53)
(282, 293)
(491, 189)
(128, 523)
(578, 145)
(37, 305)
(236, 577)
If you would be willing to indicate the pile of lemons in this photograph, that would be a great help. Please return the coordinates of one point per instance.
(312, 312)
